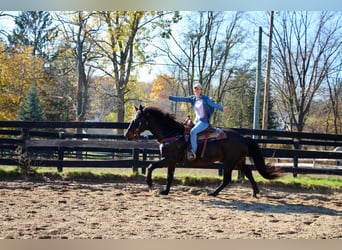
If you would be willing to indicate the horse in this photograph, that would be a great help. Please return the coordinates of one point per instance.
(231, 151)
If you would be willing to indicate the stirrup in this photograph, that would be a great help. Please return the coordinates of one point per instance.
(191, 156)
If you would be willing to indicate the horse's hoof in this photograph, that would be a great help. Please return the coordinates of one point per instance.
(255, 193)
(164, 192)
(149, 184)
(212, 194)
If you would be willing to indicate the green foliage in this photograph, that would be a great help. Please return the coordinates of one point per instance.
(59, 88)
(240, 99)
(272, 117)
(33, 29)
(24, 163)
(9, 173)
(19, 68)
(31, 109)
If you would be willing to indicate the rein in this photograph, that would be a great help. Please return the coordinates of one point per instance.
(169, 139)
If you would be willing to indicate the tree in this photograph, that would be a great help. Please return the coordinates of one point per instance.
(334, 86)
(31, 109)
(34, 29)
(82, 57)
(59, 89)
(51, 72)
(126, 35)
(306, 48)
(203, 52)
(118, 50)
(240, 98)
(167, 85)
(78, 29)
(19, 68)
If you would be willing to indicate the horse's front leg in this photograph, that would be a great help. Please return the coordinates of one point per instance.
(149, 175)
(170, 175)
(151, 167)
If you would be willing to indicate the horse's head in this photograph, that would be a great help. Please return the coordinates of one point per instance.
(160, 124)
(137, 125)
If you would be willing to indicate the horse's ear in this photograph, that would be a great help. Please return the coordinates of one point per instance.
(141, 107)
(136, 108)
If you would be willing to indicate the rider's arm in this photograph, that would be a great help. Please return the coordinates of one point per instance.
(180, 98)
(214, 105)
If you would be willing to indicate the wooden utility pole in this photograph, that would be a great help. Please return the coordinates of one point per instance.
(267, 79)
(256, 124)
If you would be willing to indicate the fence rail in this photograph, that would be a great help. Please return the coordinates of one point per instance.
(59, 144)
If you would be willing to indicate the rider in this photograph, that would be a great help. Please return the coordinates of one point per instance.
(204, 108)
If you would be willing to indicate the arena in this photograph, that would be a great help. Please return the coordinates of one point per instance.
(92, 210)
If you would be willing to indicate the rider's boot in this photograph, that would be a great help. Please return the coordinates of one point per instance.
(191, 155)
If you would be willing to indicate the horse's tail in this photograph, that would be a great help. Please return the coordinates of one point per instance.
(266, 171)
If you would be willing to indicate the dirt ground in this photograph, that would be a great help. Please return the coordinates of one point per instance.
(90, 210)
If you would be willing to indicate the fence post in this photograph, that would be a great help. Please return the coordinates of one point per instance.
(135, 160)
(79, 154)
(143, 169)
(24, 137)
(295, 157)
(23, 159)
(60, 154)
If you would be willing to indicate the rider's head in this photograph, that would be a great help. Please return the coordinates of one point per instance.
(197, 89)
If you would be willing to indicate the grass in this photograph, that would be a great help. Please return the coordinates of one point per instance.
(185, 177)
(313, 182)
(6, 172)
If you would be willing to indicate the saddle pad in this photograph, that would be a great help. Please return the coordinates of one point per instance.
(216, 133)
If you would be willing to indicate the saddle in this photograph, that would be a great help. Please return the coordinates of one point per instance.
(210, 133)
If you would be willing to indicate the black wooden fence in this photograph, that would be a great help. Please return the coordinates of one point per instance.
(60, 144)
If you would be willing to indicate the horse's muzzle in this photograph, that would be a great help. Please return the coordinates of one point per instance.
(131, 135)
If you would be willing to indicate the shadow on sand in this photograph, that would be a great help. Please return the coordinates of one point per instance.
(281, 207)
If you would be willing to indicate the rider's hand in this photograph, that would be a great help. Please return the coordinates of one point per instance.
(163, 95)
(226, 110)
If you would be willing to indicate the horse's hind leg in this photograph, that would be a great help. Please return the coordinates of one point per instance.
(249, 175)
(227, 177)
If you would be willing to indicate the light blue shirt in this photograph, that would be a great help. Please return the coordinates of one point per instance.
(207, 104)
(201, 114)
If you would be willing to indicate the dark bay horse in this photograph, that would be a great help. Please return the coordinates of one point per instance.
(231, 151)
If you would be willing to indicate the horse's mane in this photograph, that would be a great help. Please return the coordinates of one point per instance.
(163, 116)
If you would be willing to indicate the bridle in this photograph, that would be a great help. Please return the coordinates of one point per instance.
(136, 132)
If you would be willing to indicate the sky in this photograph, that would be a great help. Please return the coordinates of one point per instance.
(146, 73)
(149, 72)
(246, 5)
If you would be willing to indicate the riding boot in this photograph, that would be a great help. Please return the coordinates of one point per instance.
(191, 156)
